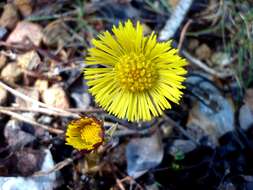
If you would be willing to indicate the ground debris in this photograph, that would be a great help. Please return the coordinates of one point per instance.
(29, 61)
(56, 96)
(8, 75)
(18, 134)
(26, 30)
(34, 183)
(202, 142)
(9, 16)
(143, 154)
(24, 6)
(56, 35)
(212, 115)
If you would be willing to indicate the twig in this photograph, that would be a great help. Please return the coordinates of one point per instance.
(119, 184)
(181, 129)
(10, 54)
(31, 46)
(175, 20)
(131, 132)
(19, 46)
(37, 110)
(44, 76)
(65, 163)
(62, 16)
(21, 118)
(50, 112)
(123, 130)
(182, 35)
(204, 67)
(28, 99)
(89, 110)
(129, 179)
(56, 167)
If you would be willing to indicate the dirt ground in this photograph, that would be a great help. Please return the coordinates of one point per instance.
(205, 142)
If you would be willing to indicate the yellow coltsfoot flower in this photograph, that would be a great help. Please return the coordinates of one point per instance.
(85, 133)
(135, 76)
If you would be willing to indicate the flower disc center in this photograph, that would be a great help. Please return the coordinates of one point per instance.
(90, 134)
(135, 73)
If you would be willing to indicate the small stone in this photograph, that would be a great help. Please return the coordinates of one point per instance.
(143, 154)
(15, 136)
(56, 97)
(248, 98)
(212, 120)
(3, 32)
(193, 44)
(3, 60)
(146, 29)
(29, 161)
(45, 119)
(9, 17)
(41, 85)
(246, 111)
(8, 75)
(29, 60)
(32, 93)
(55, 34)
(47, 182)
(181, 147)
(24, 6)
(245, 117)
(26, 29)
(167, 130)
(81, 100)
(221, 59)
(3, 96)
(203, 52)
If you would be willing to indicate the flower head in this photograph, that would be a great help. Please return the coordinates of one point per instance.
(85, 133)
(136, 76)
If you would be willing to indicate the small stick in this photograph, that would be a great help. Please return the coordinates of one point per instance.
(48, 111)
(56, 167)
(28, 99)
(203, 66)
(181, 129)
(131, 180)
(36, 110)
(60, 165)
(120, 185)
(182, 35)
(21, 118)
(89, 110)
(175, 20)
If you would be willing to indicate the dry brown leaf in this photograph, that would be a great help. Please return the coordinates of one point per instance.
(56, 97)
(9, 17)
(8, 75)
(3, 60)
(26, 30)
(55, 34)
(24, 6)
(203, 52)
(29, 60)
